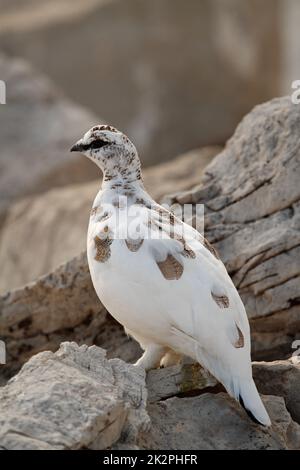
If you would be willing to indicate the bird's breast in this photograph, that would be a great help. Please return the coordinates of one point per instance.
(127, 282)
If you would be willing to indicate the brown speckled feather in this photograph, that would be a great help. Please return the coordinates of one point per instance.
(103, 249)
(239, 343)
(221, 300)
(170, 268)
(134, 245)
(95, 210)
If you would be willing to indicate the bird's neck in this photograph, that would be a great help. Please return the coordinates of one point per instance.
(123, 184)
(122, 191)
(123, 175)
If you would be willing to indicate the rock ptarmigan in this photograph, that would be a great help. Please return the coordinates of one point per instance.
(160, 278)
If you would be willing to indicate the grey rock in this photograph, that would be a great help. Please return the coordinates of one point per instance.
(280, 378)
(277, 378)
(189, 410)
(211, 419)
(73, 399)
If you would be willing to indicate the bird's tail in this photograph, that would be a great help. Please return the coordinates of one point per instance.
(250, 400)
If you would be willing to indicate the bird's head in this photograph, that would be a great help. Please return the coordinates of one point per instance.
(110, 149)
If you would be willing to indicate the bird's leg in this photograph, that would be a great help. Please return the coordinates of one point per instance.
(151, 357)
(171, 358)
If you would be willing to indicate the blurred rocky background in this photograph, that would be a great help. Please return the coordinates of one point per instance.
(178, 77)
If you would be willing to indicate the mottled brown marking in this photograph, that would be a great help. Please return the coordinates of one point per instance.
(119, 204)
(239, 343)
(128, 187)
(170, 268)
(140, 201)
(104, 217)
(131, 159)
(152, 224)
(221, 300)
(104, 127)
(128, 193)
(164, 212)
(95, 210)
(210, 248)
(103, 248)
(108, 177)
(116, 185)
(188, 252)
(134, 245)
(172, 219)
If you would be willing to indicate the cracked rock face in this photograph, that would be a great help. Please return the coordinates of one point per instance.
(214, 421)
(73, 399)
(251, 194)
(189, 410)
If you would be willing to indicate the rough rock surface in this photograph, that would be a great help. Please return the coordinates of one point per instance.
(78, 399)
(57, 307)
(215, 421)
(189, 410)
(60, 219)
(251, 194)
(38, 126)
(73, 399)
(179, 379)
(168, 101)
(280, 378)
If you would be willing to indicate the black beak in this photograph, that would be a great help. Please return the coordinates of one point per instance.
(77, 148)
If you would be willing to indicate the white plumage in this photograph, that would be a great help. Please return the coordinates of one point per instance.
(161, 279)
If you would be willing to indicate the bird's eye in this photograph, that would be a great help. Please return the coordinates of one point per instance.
(97, 144)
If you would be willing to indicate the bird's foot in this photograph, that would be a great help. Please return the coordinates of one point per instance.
(151, 357)
(171, 358)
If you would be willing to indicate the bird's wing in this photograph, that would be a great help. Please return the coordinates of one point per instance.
(215, 324)
(197, 306)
